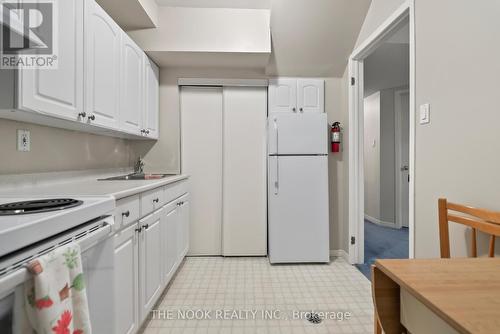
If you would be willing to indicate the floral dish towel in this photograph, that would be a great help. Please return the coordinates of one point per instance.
(55, 299)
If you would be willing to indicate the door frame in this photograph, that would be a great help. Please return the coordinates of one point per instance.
(398, 158)
(356, 92)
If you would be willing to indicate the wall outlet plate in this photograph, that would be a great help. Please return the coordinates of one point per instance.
(23, 141)
(425, 113)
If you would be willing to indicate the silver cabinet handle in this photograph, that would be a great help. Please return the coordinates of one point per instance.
(83, 114)
(147, 132)
(294, 109)
(301, 109)
(156, 200)
(126, 213)
(92, 117)
(139, 230)
(145, 226)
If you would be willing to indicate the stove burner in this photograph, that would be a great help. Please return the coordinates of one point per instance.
(37, 206)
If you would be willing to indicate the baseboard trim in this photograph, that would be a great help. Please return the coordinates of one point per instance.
(381, 222)
(339, 253)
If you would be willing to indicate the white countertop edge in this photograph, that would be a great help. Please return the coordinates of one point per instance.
(150, 185)
(78, 184)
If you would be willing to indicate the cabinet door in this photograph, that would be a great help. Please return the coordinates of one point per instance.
(311, 95)
(151, 98)
(184, 227)
(169, 237)
(150, 261)
(102, 80)
(282, 95)
(59, 92)
(132, 105)
(126, 281)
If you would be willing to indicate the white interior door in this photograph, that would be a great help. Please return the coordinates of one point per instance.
(402, 112)
(201, 141)
(244, 177)
(298, 133)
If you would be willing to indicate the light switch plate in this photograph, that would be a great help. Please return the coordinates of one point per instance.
(23, 141)
(425, 113)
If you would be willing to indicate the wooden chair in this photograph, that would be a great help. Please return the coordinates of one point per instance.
(482, 220)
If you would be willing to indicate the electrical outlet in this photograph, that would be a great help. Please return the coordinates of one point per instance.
(23, 141)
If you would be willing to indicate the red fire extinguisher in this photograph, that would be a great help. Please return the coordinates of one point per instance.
(335, 133)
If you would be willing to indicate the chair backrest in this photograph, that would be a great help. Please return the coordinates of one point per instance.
(482, 220)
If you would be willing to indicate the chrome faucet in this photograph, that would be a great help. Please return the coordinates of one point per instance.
(139, 166)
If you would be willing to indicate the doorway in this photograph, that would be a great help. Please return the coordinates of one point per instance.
(392, 174)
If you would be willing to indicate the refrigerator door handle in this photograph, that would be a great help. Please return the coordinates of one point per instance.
(276, 183)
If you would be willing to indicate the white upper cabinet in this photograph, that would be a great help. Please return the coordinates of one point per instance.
(131, 95)
(151, 99)
(102, 66)
(103, 83)
(311, 95)
(58, 92)
(282, 95)
(296, 95)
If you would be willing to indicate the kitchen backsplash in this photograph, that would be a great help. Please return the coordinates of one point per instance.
(54, 149)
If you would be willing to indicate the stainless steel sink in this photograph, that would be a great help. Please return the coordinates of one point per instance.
(136, 176)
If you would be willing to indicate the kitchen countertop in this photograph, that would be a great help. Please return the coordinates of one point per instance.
(79, 185)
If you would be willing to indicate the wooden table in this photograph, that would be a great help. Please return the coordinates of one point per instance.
(462, 293)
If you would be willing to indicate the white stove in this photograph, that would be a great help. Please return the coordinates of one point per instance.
(25, 221)
(32, 227)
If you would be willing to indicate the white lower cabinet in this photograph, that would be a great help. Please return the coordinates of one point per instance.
(183, 236)
(148, 253)
(150, 261)
(127, 281)
(170, 240)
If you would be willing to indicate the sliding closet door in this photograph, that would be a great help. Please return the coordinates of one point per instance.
(201, 146)
(244, 177)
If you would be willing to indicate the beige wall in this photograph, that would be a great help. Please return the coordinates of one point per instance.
(164, 155)
(457, 154)
(54, 150)
(371, 155)
(333, 101)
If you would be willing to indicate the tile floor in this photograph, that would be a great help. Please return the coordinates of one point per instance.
(221, 286)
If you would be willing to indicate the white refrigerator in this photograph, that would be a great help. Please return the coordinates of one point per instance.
(298, 219)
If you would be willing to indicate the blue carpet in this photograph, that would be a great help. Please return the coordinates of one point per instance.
(383, 243)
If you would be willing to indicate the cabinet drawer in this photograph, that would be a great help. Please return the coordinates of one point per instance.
(175, 190)
(127, 211)
(151, 201)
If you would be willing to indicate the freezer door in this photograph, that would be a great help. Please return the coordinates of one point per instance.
(298, 209)
(291, 133)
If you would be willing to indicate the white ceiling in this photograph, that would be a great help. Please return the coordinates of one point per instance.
(314, 37)
(251, 4)
(309, 37)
